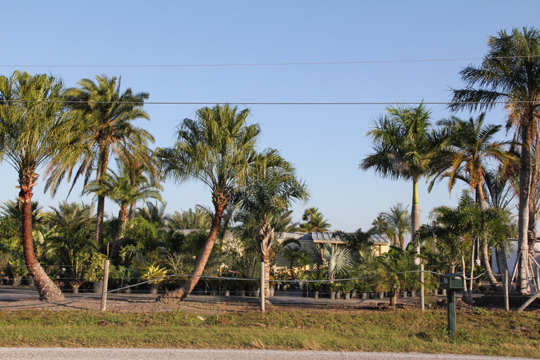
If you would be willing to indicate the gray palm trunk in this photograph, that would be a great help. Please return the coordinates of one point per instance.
(265, 238)
(415, 225)
(524, 198)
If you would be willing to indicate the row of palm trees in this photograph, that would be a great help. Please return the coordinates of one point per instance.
(406, 146)
(73, 133)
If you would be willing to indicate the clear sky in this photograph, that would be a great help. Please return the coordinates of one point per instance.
(324, 142)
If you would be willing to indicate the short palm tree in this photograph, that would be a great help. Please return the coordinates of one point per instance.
(108, 115)
(400, 221)
(198, 219)
(314, 221)
(216, 148)
(509, 73)
(272, 187)
(120, 189)
(36, 130)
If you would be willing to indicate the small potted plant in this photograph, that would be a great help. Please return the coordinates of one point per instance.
(94, 271)
(127, 275)
(154, 271)
(18, 270)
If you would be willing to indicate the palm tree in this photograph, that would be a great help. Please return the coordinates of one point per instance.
(470, 148)
(154, 213)
(380, 225)
(272, 187)
(400, 221)
(198, 219)
(314, 221)
(338, 260)
(405, 147)
(36, 130)
(108, 116)
(119, 188)
(509, 73)
(217, 148)
(71, 235)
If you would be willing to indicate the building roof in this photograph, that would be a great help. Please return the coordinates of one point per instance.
(380, 239)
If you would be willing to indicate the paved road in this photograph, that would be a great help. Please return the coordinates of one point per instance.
(136, 354)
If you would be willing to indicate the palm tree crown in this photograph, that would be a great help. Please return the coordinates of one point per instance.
(107, 115)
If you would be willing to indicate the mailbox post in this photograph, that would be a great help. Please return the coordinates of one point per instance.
(452, 282)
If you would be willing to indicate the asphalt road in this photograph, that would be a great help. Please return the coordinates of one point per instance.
(164, 354)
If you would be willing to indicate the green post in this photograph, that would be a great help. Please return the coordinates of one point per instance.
(451, 299)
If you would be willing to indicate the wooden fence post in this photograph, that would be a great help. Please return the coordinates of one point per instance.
(105, 286)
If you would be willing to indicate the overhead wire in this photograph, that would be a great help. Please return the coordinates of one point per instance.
(266, 64)
(276, 102)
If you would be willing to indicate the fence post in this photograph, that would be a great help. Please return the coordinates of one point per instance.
(105, 286)
(506, 300)
(422, 294)
(263, 288)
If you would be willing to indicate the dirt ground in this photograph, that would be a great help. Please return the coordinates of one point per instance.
(20, 298)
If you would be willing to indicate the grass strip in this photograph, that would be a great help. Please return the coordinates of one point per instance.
(480, 332)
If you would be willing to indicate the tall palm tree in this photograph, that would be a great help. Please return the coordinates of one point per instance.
(510, 73)
(405, 147)
(469, 150)
(217, 148)
(400, 221)
(36, 130)
(272, 187)
(108, 115)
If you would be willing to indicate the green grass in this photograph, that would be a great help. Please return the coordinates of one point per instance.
(479, 332)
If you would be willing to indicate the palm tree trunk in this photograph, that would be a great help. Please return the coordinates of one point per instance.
(524, 198)
(485, 243)
(533, 211)
(415, 213)
(100, 176)
(265, 238)
(99, 220)
(415, 225)
(501, 260)
(132, 209)
(188, 286)
(48, 291)
(123, 216)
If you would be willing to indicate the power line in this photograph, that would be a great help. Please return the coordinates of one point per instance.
(266, 64)
(275, 103)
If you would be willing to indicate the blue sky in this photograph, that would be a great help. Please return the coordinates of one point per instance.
(324, 142)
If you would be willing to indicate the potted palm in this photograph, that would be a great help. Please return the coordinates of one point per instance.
(347, 287)
(334, 288)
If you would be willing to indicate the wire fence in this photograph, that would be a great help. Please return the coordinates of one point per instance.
(295, 283)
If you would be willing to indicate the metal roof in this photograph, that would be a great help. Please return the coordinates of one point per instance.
(380, 239)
